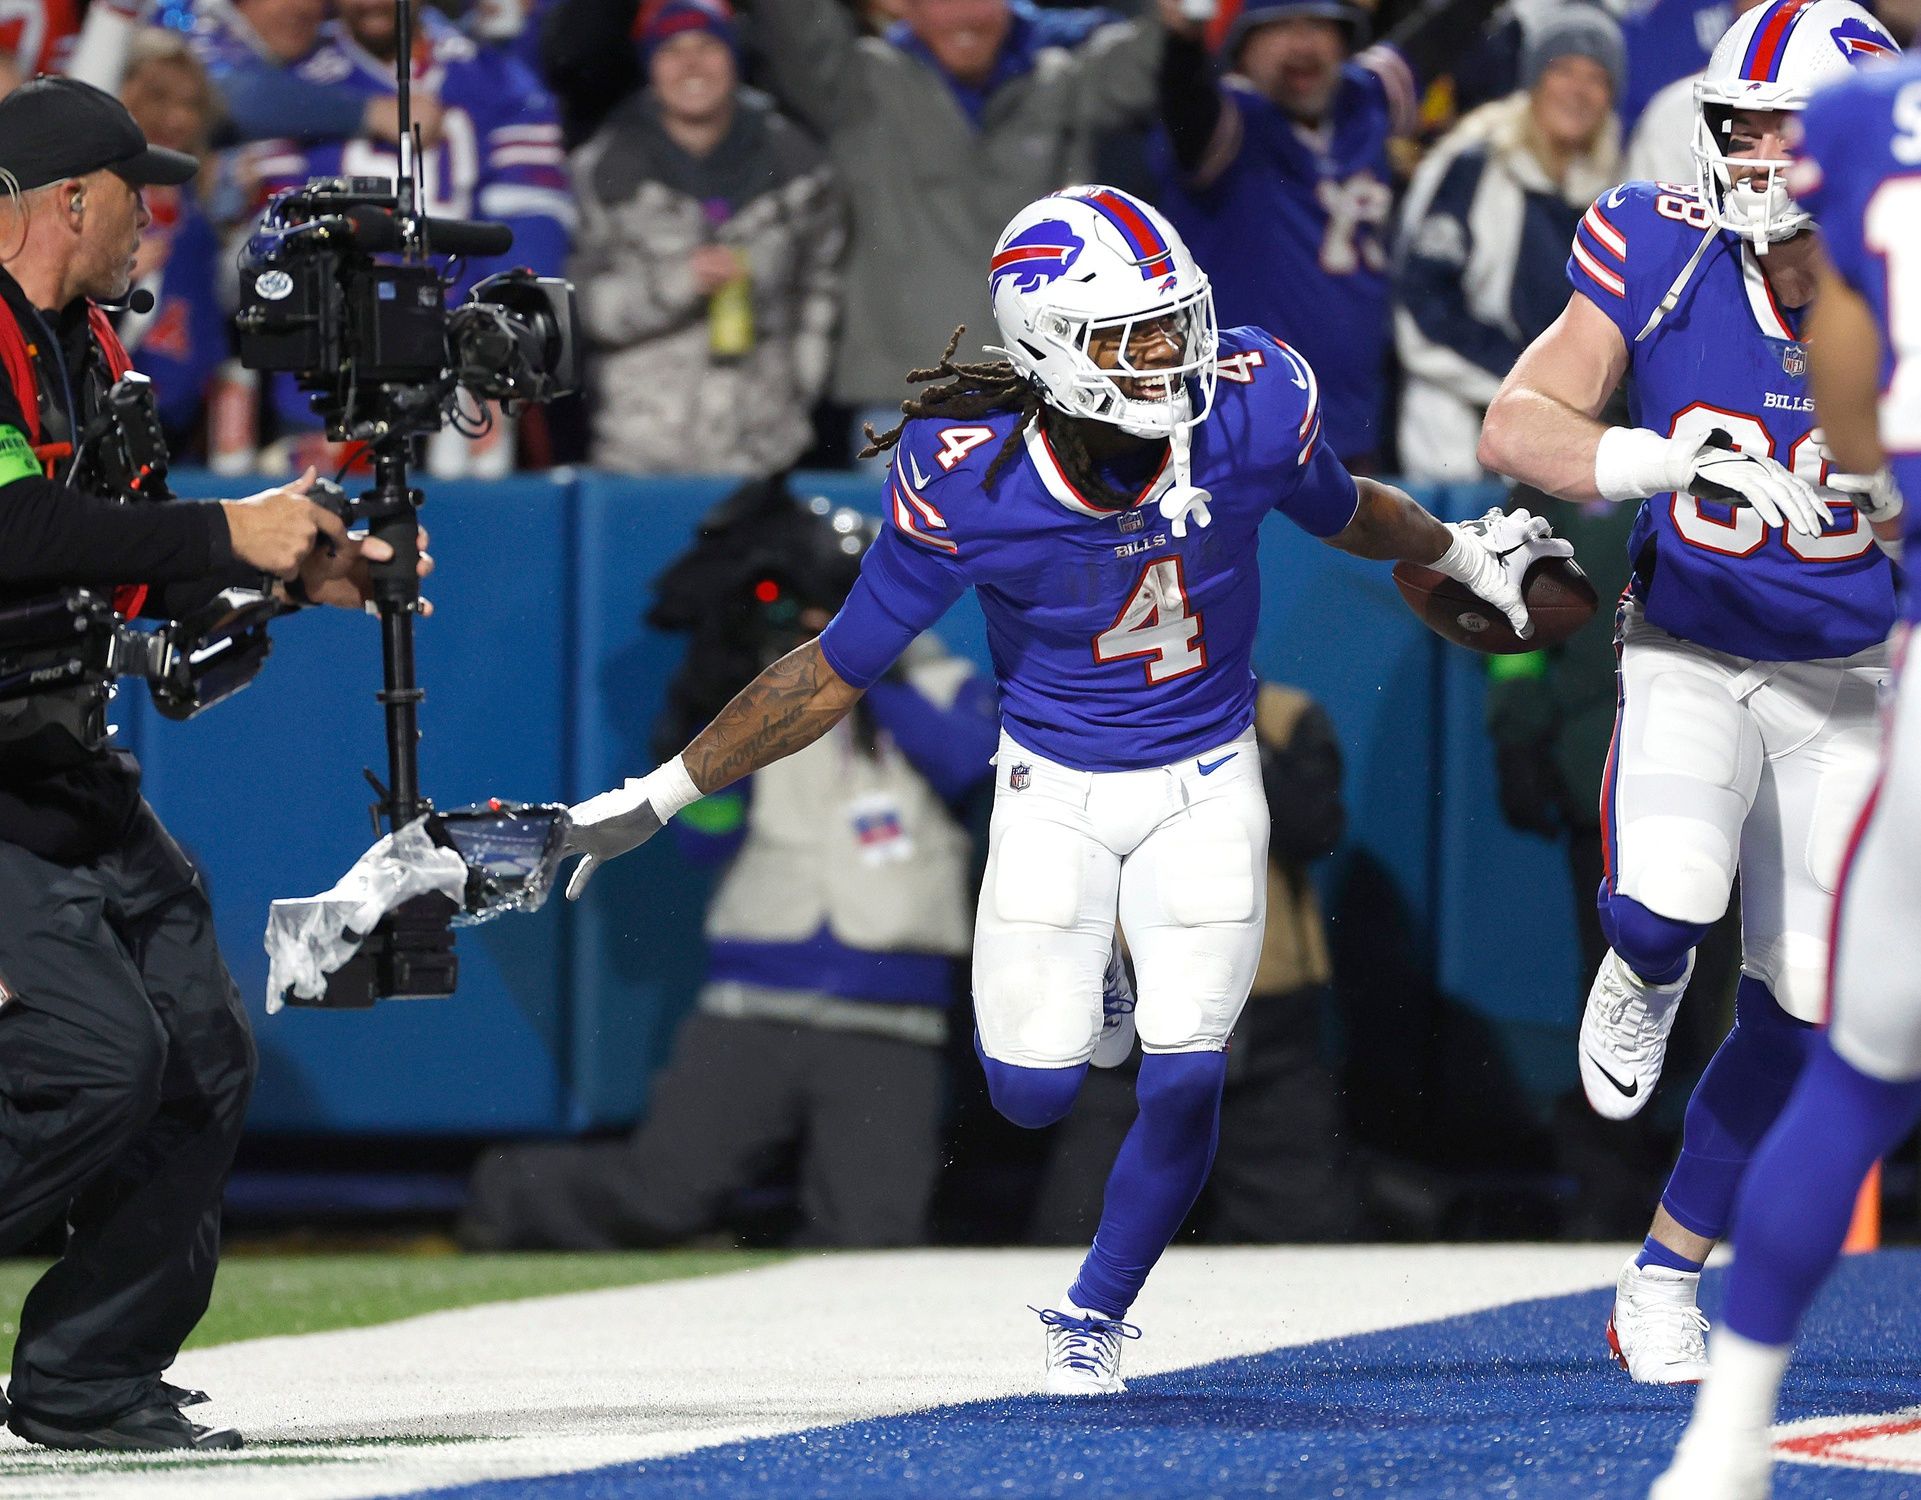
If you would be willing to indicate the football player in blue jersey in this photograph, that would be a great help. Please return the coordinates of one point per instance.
(1099, 488)
(1752, 639)
(1861, 1091)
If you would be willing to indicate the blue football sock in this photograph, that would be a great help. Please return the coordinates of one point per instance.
(1653, 946)
(1738, 1099)
(1798, 1199)
(1158, 1174)
(1654, 1253)
(1030, 1097)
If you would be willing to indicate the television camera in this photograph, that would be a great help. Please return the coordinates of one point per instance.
(344, 287)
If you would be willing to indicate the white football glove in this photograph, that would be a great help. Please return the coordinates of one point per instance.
(1874, 495)
(607, 826)
(1633, 463)
(1492, 554)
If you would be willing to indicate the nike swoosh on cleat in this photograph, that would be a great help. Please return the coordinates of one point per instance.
(1209, 767)
(1626, 1091)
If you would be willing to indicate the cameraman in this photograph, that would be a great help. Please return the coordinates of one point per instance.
(125, 1057)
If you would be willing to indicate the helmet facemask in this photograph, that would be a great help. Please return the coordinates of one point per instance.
(1746, 194)
(1147, 400)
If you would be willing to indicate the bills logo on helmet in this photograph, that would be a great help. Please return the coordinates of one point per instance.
(1860, 42)
(1035, 256)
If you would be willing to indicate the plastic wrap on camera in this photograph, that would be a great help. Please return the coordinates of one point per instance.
(308, 939)
(513, 852)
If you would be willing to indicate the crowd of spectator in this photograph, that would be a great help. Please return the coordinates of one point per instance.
(772, 216)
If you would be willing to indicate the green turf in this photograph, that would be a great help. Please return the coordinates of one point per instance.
(258, 1295)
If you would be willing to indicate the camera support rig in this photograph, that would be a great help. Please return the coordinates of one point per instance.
(338, 288)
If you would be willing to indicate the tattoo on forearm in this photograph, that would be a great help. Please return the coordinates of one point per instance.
(789, 706)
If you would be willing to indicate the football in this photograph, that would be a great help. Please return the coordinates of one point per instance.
(1560, 600)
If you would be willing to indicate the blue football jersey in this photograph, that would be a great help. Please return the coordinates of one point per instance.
(1861, 144)
(1292, 234)
(1728, 357)
(1117, 645)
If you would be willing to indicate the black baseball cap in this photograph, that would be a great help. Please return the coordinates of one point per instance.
(52, 128)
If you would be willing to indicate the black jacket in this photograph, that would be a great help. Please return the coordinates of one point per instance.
(58, 798)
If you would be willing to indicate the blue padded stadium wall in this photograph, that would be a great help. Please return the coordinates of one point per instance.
(542, 683)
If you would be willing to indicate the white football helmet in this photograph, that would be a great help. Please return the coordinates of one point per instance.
(1772, 58)
(1093, 259)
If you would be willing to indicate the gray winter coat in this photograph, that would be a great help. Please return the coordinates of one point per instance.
(662, 402)
(930, 192)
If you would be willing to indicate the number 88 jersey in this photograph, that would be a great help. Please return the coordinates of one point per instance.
(1859, 172)
(1117, 645)
(1729, 357)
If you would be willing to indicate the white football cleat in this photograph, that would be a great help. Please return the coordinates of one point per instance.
(1718, 1464)
(1624, 1036)
(1083, 1351)
(1115, 1044)
(1656, 1332)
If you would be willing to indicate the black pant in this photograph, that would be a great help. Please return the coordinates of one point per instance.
(865, 1111)
(125, 1067)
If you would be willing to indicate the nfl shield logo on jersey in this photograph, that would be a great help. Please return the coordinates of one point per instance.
(1019, 777)
(1794, 360)
(1132, 520)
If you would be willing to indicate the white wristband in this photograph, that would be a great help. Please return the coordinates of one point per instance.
(1460, 560)
(1632, 463)
(667, 789)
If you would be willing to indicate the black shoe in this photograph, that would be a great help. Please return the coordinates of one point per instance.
(174, 1395)
(145, 1429)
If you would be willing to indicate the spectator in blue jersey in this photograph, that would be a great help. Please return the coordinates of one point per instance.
(938, 131)
(181, 341)
(250, 47)
(1279, 177)
(835, 934)
(709, 268)
(498, 157)
(1479, 272)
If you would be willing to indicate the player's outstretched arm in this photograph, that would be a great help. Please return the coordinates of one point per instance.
(1844, 373)
(789, 706)
(1543, 427)
(1491, 555)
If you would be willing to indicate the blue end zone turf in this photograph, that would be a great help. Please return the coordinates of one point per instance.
(1520, 1401)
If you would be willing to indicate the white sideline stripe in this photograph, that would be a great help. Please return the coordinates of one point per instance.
(557, 1384)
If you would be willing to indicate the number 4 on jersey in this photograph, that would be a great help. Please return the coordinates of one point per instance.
(1156, 623)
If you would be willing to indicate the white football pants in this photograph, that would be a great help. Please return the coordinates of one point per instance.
(1721, 761)
(1178, 853)
(1876, 1011)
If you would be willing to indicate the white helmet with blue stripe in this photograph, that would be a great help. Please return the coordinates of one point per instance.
(1772, 58)
(1094, 260)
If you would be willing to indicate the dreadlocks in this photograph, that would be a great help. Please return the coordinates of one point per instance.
(979, 390)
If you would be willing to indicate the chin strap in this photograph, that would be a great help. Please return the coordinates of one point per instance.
(1183, 497)
(1673, 297)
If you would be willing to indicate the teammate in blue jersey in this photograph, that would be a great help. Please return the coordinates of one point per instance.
(1752, 638)
(1099, 489)
(1861, 1091)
